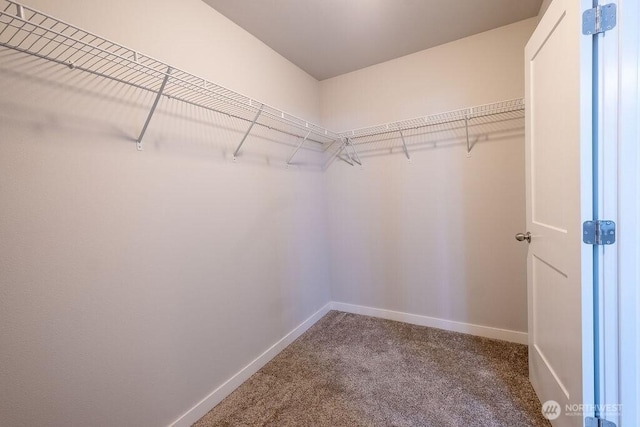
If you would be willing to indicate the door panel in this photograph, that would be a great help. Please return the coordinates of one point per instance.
(549, 116)
(556, 164)
(548, 312)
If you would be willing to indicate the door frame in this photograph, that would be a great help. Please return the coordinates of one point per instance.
(606, 197)
(621, 123)
(617, 298)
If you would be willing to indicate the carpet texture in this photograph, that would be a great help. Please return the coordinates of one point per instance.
(352, 370)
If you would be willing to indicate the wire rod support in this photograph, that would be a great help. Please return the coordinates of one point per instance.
(246, 134)
(298, 148)
(334, 155)
(356, 157)
(153, 109)
(344, 148)
(404, 146)
(466, 128)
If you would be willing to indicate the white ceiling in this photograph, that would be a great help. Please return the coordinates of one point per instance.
(327, 38)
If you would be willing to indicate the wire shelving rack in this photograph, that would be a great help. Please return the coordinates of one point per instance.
(510, 109)
(35, 33)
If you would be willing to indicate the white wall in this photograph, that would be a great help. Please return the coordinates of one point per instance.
(543, 8)
(132, 284)
(483, 68)
(433, 237)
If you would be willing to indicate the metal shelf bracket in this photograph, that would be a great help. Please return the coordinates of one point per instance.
(246, 134)
(404, 146)
(344, 148)
(335, 154)
(298, 148)
(153, 109)
(356, 157)
(466, 128)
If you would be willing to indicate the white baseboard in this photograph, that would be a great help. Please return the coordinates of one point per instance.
(433, 322)
(217, 395)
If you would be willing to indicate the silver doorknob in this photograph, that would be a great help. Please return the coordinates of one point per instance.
(523, 236)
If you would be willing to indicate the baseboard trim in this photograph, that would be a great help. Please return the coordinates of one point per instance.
(217, 395)
(449, 325)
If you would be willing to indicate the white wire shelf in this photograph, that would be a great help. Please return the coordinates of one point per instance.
(401, 130)
(35, 33)
(30, 31)
(480, 111)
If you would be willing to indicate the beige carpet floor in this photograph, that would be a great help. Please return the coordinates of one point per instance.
(352, 370)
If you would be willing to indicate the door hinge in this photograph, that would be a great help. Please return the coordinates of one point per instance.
(599, 19)
(597, 422)
(599, 232)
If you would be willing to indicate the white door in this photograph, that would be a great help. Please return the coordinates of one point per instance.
(559, 199)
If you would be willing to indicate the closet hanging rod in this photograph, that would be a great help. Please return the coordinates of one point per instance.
(480, 111)
(33, 32)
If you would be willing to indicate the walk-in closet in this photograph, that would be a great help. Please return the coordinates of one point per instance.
(274, 213)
